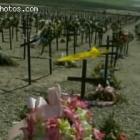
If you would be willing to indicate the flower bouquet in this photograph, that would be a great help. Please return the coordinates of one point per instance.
(61, 117)
(106, 94)
(99, 73)
(75, 122)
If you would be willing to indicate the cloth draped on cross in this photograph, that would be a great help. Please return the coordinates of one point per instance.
(93, 53)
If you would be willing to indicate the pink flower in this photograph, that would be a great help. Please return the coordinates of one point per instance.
(75, 102)
(79, 130)
(82, 104)
(72, 103)
(70, 115)
(98, 134)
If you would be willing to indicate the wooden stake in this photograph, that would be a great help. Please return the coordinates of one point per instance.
(83, 84)
(10, 38)
(50, 58)
(67, 42)
(74, 43)
(106, 63)
(28, 52)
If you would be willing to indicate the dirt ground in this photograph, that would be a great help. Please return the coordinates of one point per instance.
(14, 90)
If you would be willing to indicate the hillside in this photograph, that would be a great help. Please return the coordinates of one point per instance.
(90, 4)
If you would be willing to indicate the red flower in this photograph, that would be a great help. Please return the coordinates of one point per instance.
(52, 129)
(79, 130)
(52, 123)
(70, 115)
(75, 102)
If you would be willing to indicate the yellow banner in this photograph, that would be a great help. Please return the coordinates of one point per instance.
(93, 53)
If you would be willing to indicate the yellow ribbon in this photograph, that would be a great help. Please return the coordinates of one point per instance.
(93, 53)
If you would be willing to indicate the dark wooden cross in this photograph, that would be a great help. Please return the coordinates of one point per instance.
(68, 34)
(89, 37)
(84, 79)
(29, 51)
(27, 43)
(24, 32)
(74, 40)
(26, 28)
(50, 58)
(10, 37)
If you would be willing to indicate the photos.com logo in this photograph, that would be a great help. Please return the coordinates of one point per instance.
(18, 9)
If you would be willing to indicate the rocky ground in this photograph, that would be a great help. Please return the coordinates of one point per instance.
(14, 90)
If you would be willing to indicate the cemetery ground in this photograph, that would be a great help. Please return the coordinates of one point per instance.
(14, 89)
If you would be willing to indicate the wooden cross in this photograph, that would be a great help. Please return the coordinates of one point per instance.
(28, 51)
(89, 38)
(25, 29)
(29, 58)
(28, 48)
(68, 34)
(24, 34)
(50, 58)
(84, 79)
(114, 50)
(10, 38)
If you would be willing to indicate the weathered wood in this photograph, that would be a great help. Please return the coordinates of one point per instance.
(83, 84)
(106, 63)
(50, 58)
(67, 42)
(10, 38)
(28, 52)
(74, 42)
(24, 31)
(83, 79)
(89, 38)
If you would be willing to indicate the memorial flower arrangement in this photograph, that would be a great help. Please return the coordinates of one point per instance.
(74, 124)
(99, 73)
(107, 93)
(112, 129)
(63, 117)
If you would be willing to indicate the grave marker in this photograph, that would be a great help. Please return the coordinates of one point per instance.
(83, 79)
